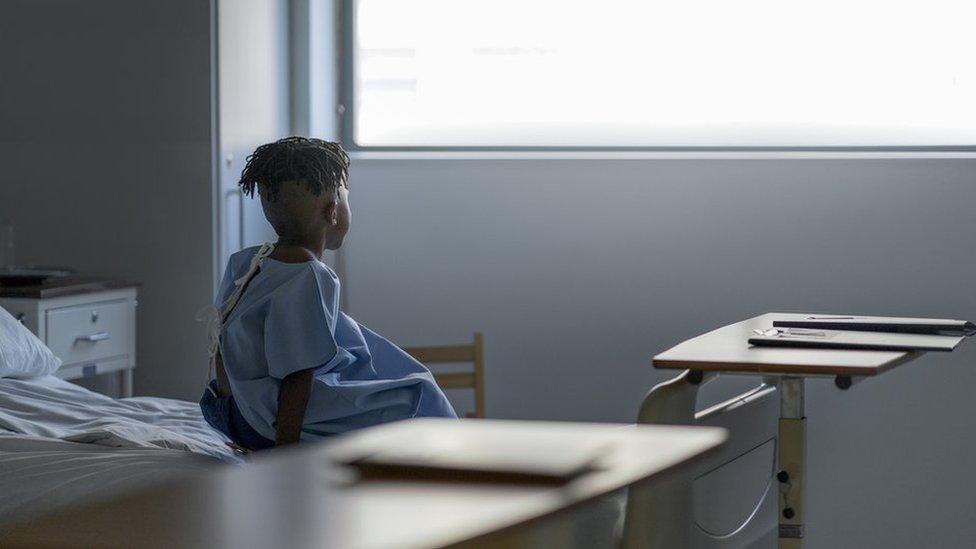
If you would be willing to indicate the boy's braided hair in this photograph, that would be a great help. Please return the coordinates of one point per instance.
(321, 165)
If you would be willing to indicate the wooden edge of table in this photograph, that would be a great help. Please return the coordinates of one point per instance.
(791, 369)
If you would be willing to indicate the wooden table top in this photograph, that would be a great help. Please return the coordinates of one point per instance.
(727, 349)
(301, 498)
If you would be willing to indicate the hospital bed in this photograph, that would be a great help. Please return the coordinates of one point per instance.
(62, 444)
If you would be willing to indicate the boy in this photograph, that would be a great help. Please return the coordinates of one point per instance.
(289, 364)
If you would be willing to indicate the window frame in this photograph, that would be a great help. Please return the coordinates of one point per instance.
(346, 109)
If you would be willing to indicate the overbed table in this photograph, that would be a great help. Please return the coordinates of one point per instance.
(726, 350)
(300, 498)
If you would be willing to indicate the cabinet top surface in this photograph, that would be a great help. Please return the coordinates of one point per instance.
(65, 286)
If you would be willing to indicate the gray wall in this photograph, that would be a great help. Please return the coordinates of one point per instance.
(254, 107)
(108, 147)
(578, 271)
(105, 159)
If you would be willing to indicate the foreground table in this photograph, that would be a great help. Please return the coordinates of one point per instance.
(726, 350)
(301, 498)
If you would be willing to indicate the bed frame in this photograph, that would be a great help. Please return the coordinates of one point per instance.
(730, 500)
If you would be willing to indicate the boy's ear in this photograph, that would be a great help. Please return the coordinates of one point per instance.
(332, 213)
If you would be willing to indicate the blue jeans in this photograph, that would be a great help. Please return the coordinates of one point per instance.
(223, 415)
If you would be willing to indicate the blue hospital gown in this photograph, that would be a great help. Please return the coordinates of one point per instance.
(289, 320)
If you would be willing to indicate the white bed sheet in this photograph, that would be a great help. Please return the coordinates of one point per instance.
(61, 444)
(52, 408)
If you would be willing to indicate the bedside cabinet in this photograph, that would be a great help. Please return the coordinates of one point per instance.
(90, 324)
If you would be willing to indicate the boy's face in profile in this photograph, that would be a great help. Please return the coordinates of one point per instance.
(340, 219)
(300, 216)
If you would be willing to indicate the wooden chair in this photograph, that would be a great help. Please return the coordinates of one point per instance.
(474, 379)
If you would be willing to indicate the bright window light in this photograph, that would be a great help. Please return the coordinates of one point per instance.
(663, 73)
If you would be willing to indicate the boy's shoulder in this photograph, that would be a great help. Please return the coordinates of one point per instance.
(243, 255)
(239, 261)
(308, 289)
(302, 276)
(306, 272)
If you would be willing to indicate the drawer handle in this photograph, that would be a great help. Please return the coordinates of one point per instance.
(100, 336)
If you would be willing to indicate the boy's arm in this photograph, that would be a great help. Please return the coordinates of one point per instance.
(292, 399)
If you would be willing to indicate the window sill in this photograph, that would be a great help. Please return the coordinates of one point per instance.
(368, 155)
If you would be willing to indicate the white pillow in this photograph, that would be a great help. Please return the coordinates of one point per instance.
(22, 355)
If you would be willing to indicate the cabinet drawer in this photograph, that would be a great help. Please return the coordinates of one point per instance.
(90, 332)
(91, 369)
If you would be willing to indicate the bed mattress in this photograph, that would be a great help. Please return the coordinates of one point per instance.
(62, 444)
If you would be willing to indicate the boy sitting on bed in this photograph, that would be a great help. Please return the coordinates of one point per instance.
(289, 364)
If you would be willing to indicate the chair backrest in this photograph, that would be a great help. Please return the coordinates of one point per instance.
(473, 379)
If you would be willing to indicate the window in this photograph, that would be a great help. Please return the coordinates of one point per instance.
(661, 73)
